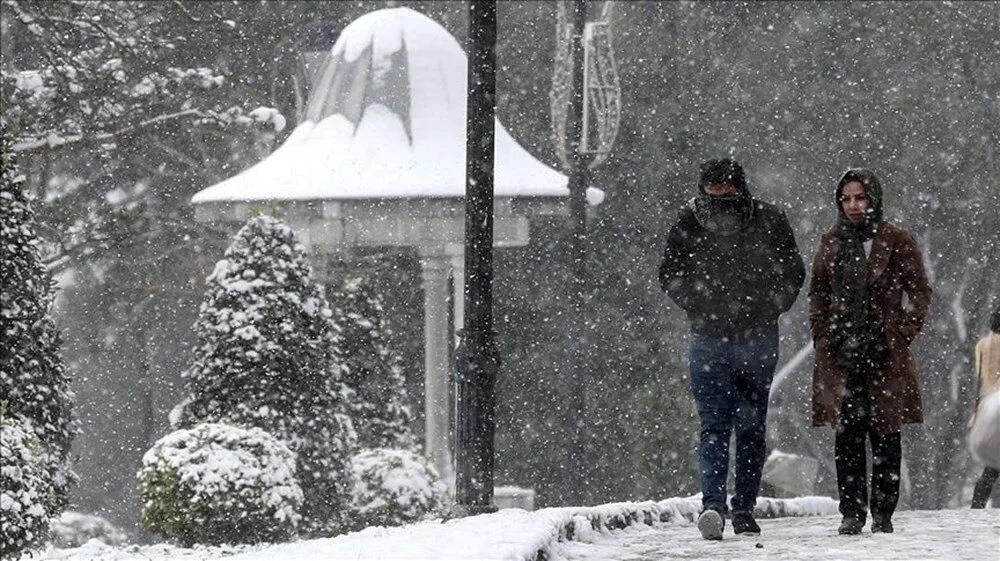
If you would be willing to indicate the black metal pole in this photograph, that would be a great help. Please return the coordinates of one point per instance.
(477, 358)
(578, 178)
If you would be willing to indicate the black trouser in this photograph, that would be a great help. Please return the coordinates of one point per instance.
(984, 487)
(851, 459)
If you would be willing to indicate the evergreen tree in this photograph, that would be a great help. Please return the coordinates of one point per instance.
(373, 371)
(33, 382)
(266, 357)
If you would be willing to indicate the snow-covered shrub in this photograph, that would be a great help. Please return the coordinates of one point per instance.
(267, 357)
(218, 484)
(394, 487)
(372, 370)
(25, 488)
(33, 382)
(73, 529)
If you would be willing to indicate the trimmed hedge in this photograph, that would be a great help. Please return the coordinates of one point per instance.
(394, 487)
(218, 484)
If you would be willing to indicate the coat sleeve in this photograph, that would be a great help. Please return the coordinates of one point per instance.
(675, 269)
(790, 265)
(820, 295)
(918, 289)
(980, 379)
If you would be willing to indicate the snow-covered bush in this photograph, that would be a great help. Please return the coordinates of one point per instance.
(394, 487)
(25, 488)
(267, 357)
(372, 370)
(218, 484)
(73, 529)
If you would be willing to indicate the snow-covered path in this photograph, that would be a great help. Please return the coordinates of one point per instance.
(805, 530)
(944, 535)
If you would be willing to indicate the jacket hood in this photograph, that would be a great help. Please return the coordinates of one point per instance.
(870, 183)
(725, 170)
(723, 215)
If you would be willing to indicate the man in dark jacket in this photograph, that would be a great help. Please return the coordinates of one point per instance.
(732, 264)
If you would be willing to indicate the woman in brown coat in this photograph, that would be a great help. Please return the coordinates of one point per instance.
(865, 382)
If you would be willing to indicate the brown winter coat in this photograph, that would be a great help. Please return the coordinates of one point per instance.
(895, 267)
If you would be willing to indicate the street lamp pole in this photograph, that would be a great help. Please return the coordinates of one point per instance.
(477, 358)
(578, 172)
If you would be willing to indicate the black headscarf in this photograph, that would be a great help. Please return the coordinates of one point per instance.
(723, 215)
(873, 188)
(853, 319)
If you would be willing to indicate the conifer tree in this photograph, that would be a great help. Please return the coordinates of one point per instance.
(33, 382)
(266, 357)
(373, 371)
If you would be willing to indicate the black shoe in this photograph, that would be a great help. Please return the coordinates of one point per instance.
(881, 524)
(710, 524)
(851, 525)
(743, 522)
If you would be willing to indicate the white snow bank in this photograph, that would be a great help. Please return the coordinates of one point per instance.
(510, 534)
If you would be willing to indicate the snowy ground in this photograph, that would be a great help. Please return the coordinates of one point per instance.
(950, 535)
(806, 530)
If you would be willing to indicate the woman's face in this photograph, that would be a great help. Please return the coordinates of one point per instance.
(854, 202)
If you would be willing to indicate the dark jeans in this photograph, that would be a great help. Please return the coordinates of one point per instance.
(984, 487)
(851, 458)
(731, 382)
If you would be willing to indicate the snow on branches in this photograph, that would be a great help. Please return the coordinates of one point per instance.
(105, 72)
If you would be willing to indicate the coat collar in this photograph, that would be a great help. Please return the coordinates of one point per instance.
(881, 249)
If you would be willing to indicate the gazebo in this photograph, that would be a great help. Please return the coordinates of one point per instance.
(379, 160)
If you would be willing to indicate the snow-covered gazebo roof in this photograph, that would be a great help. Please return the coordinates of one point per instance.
(387, 120)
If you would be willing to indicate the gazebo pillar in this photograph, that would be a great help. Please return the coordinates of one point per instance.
(458, 289)
(435, 266)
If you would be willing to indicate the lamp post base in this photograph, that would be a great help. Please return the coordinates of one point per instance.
(463, 511)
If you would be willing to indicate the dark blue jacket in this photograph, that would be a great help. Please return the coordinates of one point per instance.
(736, 285)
